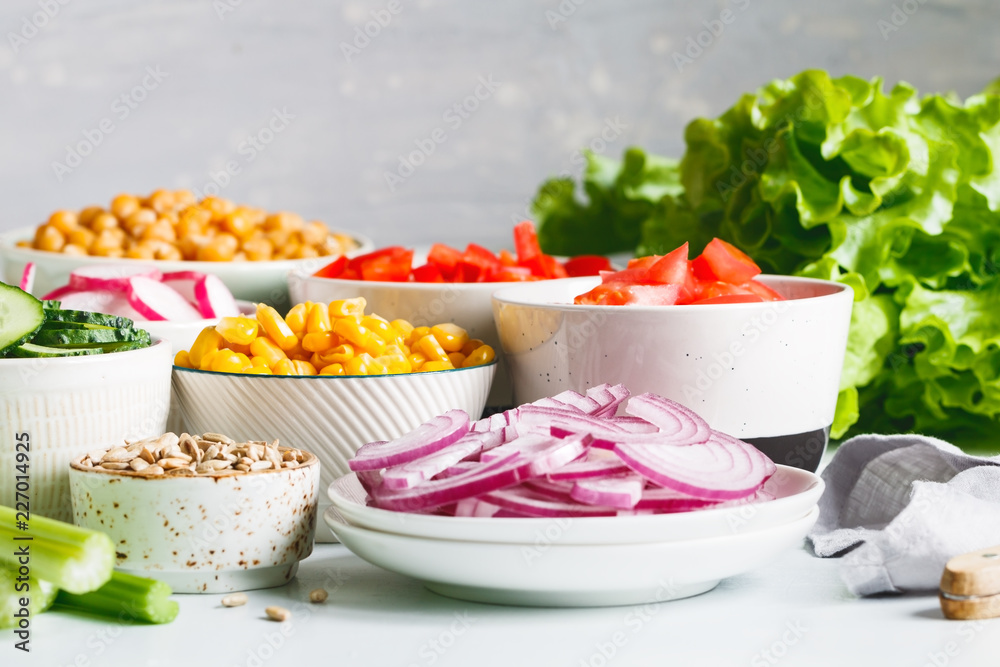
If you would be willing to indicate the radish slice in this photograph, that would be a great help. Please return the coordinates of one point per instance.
(410, 474)
(28, 277)
(113, 277)
(622, 491)
(158, 302)
(214, 299)
(98, 301)
(59, 293)
(671, 417)
(723, 468)
(183, 282)
(427, 438)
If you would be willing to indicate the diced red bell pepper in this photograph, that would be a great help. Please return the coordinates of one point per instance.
(509, 274)
(586, 265)
(392, 268)
(444, 258)
(526, 241)
(334, 269)
(728, 263)
(427, 273)
(506, 258)
(477, 265)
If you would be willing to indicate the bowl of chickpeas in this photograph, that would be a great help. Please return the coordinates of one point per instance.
(250, 249)
(328, 377)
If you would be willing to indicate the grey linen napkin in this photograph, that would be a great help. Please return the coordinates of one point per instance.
(905, 504)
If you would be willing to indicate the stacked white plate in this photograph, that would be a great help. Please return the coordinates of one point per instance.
(577, 562)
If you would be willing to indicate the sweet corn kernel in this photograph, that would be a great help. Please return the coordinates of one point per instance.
(437, 366)
(258, 370)
(338, 355)
(451, 336)
(321, 341)
(342, 307)
(283, 367)
(276, 327)
(351, 330)
(430, 348)
(303, 367)
(482, 355)
(318, 319)
(416, 334)
(239, 330)
(456, 359)
(332, 369)
(471, 345)
(259, 362)
(296, 318)
(267, 349)
(402, 327)
(209, 340)
(183, 359)
(395, 364)
(363, 364)
(417, 360)
(208, 358)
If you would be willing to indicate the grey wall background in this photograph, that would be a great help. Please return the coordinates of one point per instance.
(565, 71)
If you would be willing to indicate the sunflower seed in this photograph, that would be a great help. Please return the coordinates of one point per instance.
(138, 464)
(318, 595)
(114, 465)
(279, 614)
(234, 600)
(173, 463)
(217, 437)
(118, 455)
(261, 465)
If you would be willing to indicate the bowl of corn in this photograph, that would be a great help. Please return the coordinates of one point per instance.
(328, 378)
(250, 249)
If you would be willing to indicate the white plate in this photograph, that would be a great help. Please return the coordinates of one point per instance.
(796, 492)
(561, 575)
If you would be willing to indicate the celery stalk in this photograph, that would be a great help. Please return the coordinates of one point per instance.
(41, 595)
(74, 559)
(125, 597)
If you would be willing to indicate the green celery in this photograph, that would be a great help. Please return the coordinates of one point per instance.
(125, 597)
(41, 595)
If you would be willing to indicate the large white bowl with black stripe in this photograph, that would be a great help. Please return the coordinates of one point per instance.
(330, 416)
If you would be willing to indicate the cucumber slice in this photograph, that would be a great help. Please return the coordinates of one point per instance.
(21, 315)
(32, 350)
(113, 321)
(51, 304)
(53, 328)
(56, 324)
(75, 337)
(124, 346)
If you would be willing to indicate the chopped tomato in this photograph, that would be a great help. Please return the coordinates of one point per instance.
(333, 269)
(671, 268)
(586, 265)
(605, 294)
(763, 291)
(644, 262)
(728, 263)
(729, 298)
(526, 241)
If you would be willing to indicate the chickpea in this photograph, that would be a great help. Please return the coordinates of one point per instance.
(161, 230)
(82, 237)
(88, 214)
(49, 238)
(73, 249)
(161, 200)
(220, 249)
(258, 249)
(104, 221)
(304, 252)
(64, 221)
(237, 223)
(289, 222)
(183, 198)
(106, 243)
(217, 206)
(139, 219)
(139, 251)
(315, 233)
(124, 205)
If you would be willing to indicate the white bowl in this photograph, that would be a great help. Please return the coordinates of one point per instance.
(563, 575)
(64, 407)
(422, 304)
(795, 491)
(203, 534)
(252, 281)
(330, 416)
(767, 372)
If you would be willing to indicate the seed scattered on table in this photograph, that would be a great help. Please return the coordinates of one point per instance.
(279, 614)
(211, 454)
(234, 600)
(318, 595)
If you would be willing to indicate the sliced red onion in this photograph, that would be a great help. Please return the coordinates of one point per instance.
(673, 419)
(556, 490)
(590, 468)
(526, 501)
(608, 397)
(546, 453)
(370, 479)
(482, 479)
(633, 424)
(429, 437)
(490, 423)
(410, 474)
(475, 508)
(554, 402)
(667, 501)
(620, 491)
(722, 468)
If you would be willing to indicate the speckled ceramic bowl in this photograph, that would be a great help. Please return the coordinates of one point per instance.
(203, 534)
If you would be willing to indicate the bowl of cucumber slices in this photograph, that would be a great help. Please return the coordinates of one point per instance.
(70, 382)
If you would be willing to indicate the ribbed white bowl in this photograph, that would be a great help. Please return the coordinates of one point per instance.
(330, 416)
(70, 406)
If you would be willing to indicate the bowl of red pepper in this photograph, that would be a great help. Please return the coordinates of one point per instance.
(444, 285)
